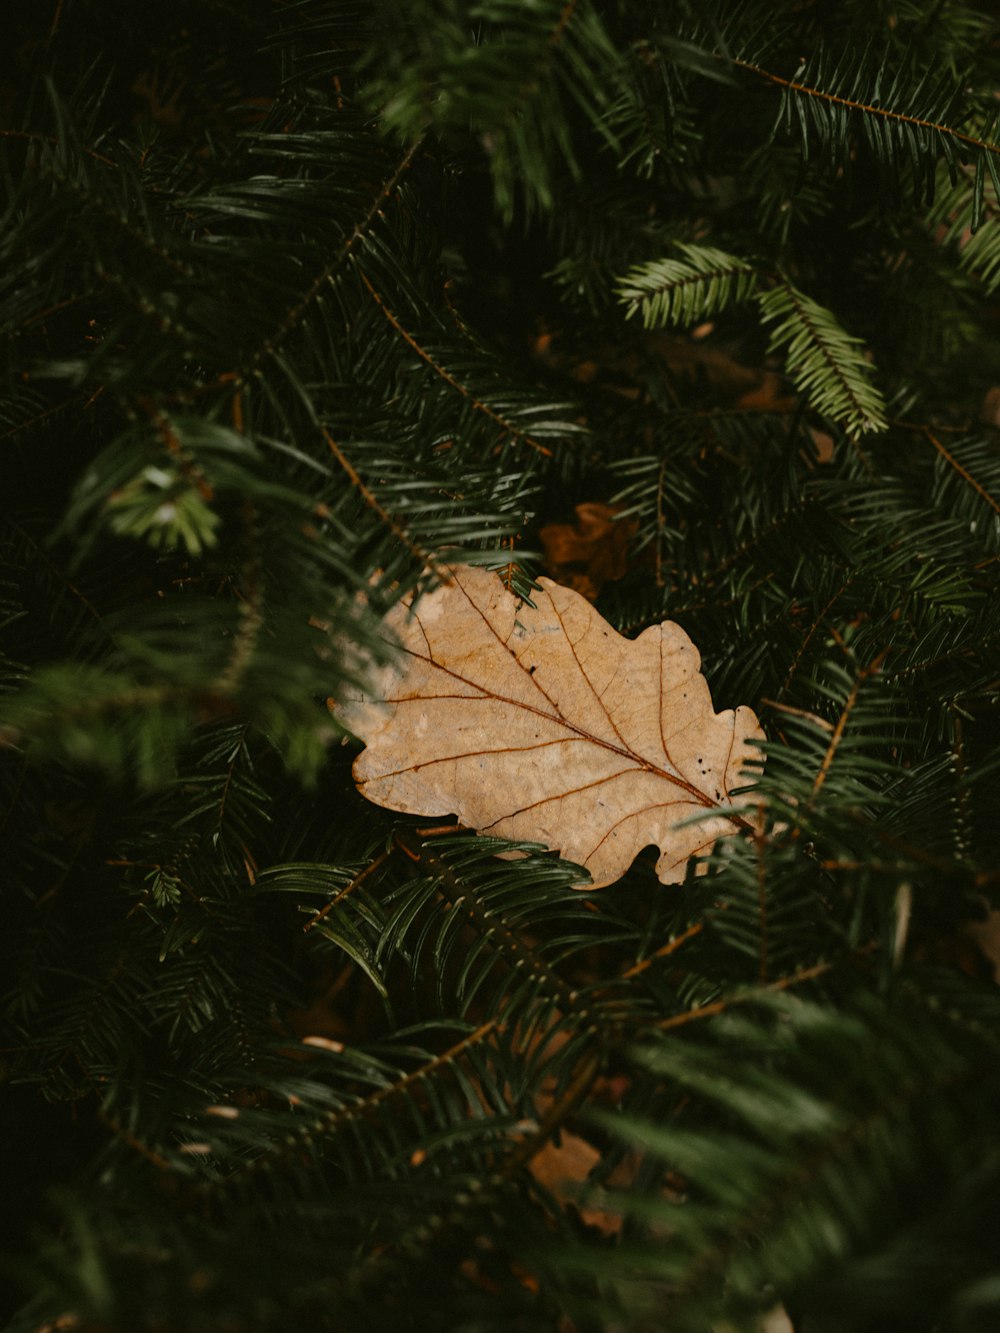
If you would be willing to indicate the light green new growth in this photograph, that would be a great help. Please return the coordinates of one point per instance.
(684, 291)
(824, 362)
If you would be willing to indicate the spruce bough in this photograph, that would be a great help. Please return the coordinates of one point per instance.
(304, 304)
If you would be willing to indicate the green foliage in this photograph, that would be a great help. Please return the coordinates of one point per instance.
(823, 362)
(904, 116)
(789, 1190)
(304, 301)
(683, 291)
(826, 364)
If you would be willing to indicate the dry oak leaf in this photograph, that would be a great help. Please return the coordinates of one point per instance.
(590, 552)
(543, 724)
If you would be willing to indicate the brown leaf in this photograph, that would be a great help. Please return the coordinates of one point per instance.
(563, 1170)
(590, 552)
(541, 723)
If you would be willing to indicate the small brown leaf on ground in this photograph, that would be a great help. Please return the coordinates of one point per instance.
(563, 1168)
(767, 396)
(590, 552)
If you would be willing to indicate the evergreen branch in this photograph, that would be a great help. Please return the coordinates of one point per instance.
(179, 591)
(44, 557)
(481, 1192)
(566, 14)
(801, 506)
(182, 456)
(684, 291)
(905, 1075)
(963, 472)
(966, 216)
(810, 632)
(325, 1124)
(664, 951)
(251, 618)
(373, 503)
(477, 405)
(31, 136)
(867, 108)
(148, 1154)
(837, 735)
(529, 966)
(825, 363)
(531, 79)
(293, 316)
(39, 416)
(724, 1005)
(375, 864)
(771, 1204)
(571, 1097)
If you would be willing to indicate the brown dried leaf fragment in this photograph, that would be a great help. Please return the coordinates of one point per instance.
(542, 723)
(590, 552)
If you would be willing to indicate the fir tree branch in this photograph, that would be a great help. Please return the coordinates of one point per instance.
(38, 417)
(179, 909)
(293, 316)
(502, 939)
(664, 951)
(373, 503)
(477, 405)
(251, 617)
(143, 1150)
(877, 112)
(823, 361)
(31, 136)
(964, 473)
(683, 291)
(328, 1123)
(810, 632)
(375, 864)
(745, 997)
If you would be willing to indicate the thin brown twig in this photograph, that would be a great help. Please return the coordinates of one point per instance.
(120, 1132)
(557, 1114)
(33, 137)
(357, 233)
(818, 721)
(796, 660)
(745, 997)
(373, 503)
(329, 1122)
(172, 443)
(664, 951)
(338, 897)
(839, 729)
(963, 472)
